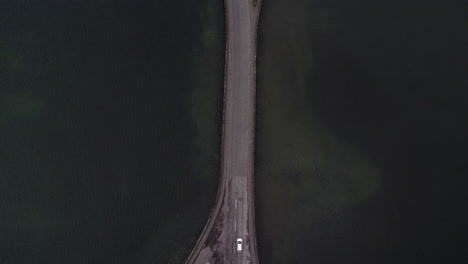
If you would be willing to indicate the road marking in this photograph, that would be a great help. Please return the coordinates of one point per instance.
(235, 225)
(236, 203)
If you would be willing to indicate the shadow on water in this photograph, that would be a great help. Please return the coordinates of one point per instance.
(361, 131)
(107, 131)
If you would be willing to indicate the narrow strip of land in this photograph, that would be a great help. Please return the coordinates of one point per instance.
(233, 216)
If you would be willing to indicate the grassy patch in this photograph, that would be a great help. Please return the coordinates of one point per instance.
(254, 3)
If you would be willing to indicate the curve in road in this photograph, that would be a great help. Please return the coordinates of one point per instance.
(233, 215)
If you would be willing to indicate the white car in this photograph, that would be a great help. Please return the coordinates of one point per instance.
(239, 245)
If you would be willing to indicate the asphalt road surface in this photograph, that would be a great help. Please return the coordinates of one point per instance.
(233, 214)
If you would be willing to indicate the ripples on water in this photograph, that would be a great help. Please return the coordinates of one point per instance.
(103, 151)
(361, 131)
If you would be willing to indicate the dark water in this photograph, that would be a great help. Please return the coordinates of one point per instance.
(109, 128)
(362, 132)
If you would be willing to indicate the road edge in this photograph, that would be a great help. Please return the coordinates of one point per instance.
(222, 180)
(252, 221)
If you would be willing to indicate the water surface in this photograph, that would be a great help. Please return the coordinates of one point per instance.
(361, 132)
(110, 118)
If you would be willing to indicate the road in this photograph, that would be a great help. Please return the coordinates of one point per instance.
(233, 214)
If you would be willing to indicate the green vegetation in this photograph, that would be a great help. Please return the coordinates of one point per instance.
(254, 3)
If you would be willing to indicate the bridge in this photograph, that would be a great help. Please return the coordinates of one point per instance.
(233, 215)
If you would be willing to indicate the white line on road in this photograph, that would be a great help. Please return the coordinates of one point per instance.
(235, 225)
(235, 203)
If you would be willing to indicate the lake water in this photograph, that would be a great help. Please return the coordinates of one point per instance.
(362, 132)
(110, 128)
